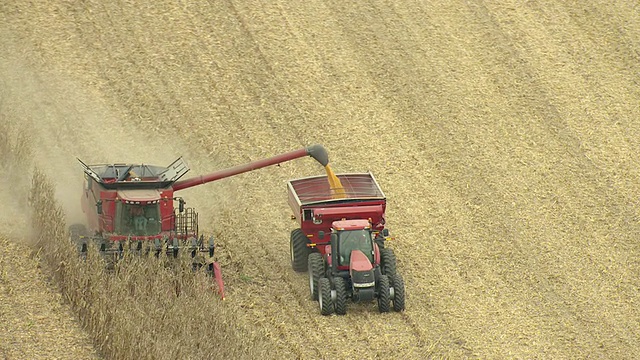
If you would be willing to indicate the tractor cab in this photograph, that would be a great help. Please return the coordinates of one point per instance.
(354, 256)
(351, 241)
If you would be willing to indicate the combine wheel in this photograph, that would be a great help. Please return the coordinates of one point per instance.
(76, 233)
(388, 262)
(78, 229)
(383, 294)
(398, 292)
(326, 307)
(299, 251)
(316, 270)
(341, 295)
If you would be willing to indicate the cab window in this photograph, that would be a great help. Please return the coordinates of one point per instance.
(355, 240)
(137, 219)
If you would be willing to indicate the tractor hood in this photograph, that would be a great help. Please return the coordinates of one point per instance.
(139, 195)
(361, 270)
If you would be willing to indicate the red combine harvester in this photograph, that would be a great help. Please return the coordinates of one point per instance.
(353, 262)
(131, 207)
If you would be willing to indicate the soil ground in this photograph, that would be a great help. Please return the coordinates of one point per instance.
(505, 135)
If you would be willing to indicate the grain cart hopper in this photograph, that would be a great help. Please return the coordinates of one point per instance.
(341, 242)
(133, 207)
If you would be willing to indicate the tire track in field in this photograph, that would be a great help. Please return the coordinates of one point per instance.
(487, 104)
(457, 171)
(409, 325)
(151, 84)
(226, 243)
(275, 261)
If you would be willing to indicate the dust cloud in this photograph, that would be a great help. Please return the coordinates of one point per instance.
(49, 121)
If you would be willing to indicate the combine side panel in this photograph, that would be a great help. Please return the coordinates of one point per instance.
(174, 171)
(90, 172)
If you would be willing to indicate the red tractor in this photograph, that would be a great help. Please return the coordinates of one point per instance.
(352, 262)
(131, 207)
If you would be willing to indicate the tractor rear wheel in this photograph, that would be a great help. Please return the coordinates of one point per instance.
(326, 307)
(383, 294)
(299, 250)
(388, 262)
(341, 295)
(316, 270)
(398, 292)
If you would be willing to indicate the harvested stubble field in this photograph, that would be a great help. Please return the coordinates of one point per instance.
(504, 133)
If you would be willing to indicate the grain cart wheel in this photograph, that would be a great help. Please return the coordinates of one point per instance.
(383, 294)
(341, 295)
(326, 305)
(299, 251)
(316, 270)
(398, 292)
(388, 262)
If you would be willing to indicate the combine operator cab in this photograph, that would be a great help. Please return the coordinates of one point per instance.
(136, 219)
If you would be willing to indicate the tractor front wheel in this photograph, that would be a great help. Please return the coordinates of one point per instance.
(341, 295)
(326, 307)
(316, 270)
(398, 292)
(383, 294)
(299, 250)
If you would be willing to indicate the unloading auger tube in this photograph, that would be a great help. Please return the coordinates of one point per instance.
(318, 152)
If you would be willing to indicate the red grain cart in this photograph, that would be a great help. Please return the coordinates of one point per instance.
(352, 262)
